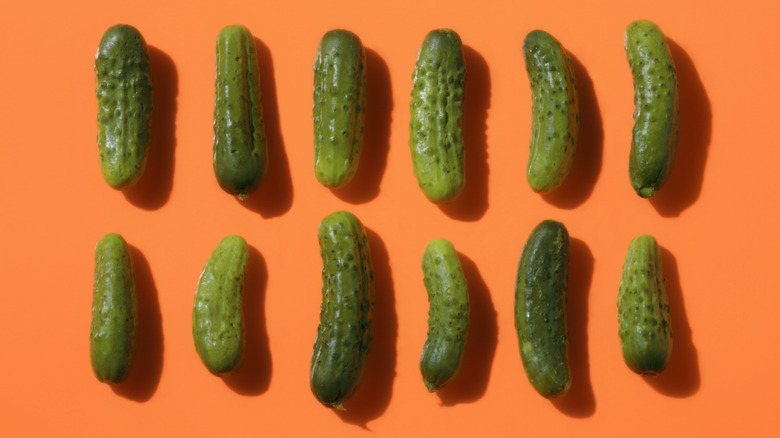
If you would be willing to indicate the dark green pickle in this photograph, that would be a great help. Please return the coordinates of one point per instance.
(540, 308)
(340, 352)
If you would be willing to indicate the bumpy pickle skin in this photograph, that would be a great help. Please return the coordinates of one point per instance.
(448, 314)
(341, 348)
(436, 134)
(643, 309)
(218, 312)
(540, 309)
(555, 111)
(124, 95)
(339, 107)
(656, 107)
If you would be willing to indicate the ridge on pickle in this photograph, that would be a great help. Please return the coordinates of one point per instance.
(240, 154)
(436, 134)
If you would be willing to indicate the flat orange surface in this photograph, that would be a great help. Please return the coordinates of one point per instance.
(716, 220)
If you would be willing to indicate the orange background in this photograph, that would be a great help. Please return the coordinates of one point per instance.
(716, 221)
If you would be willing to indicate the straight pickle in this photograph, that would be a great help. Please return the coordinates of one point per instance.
(113, 334)
(338, 361)
(540, 308)
(436, 134)
(240, 155)
(339, 107)
(124, 94)
(643, 309)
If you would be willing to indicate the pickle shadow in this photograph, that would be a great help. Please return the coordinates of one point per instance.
(254, 376)
(145, 374)
(373, 396)
(376, 141)
(585, 169)
(472, 203)
(682, 377)
(471, 382)
(154, 188)
(579, 401)
(274, 197)
(683, 187)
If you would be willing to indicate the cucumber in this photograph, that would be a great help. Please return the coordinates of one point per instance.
(113, 335)
(656, 107)
(218, 313)
(540, 308)
(339, 107)
(240, 154)
(448, 315)
(555, 111)
(124, 95)
(338, 361)
(643, 309)
(436, 135)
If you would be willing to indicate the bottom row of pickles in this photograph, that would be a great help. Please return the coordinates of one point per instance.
(346, 315)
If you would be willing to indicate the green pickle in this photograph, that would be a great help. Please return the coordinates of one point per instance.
(448, 314)
(339, 107)
(340, 351)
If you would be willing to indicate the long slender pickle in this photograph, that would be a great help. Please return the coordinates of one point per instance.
(436, 134)
(218, 313)
(338, 361)
(240, 154)
(540, 308)
(339, 107)
(113, 335)
(555, 111)
(656, 107)
(124, 95)
(643, 309)
(448, 314)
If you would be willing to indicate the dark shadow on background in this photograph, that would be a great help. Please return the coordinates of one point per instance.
(682, 377)
(471, 382)
(254, 377)
(274, 197)
(585, 169)
(154, 188)
(373, 396)
(145, 374)
(472, 203)
(579, 402)
(685, 182)
(376, 141)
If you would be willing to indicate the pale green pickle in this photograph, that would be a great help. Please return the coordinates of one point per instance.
(643, 309)
(436, 134)
(448, 314)
(656, 107)
(555, 112)
(218, 313)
